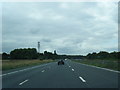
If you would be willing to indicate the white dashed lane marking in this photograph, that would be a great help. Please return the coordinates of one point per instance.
(82, 79)
(23, 82)
(73, 70)
(43, 70)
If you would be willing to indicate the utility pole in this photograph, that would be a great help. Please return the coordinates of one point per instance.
(38, 47)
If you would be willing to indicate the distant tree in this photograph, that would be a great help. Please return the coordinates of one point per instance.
(48, 55)
(89, 56)
(103, 55)
(94, 55)
(40, 56)
(118, 55)
(5, 56)
(26, 53)
(113, 55)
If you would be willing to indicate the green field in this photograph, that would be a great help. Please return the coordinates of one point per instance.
(110, 64)
(12, 64)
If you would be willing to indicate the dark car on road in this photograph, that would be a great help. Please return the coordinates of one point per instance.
(61, 62)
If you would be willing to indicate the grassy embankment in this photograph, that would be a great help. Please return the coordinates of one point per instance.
(110, 64)
(12, 64)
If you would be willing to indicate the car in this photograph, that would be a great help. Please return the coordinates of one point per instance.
(61, 62)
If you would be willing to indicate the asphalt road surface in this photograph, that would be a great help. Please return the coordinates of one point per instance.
(70, 75)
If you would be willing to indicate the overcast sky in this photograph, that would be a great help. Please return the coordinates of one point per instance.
(69, 28)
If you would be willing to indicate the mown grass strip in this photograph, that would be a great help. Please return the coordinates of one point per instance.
(101, 63)
(13, 64)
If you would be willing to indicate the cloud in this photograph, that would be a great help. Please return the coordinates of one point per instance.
(69, 28)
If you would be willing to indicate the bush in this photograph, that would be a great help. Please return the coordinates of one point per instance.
(30, 53)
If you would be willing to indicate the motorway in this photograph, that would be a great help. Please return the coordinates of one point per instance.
(50, 75)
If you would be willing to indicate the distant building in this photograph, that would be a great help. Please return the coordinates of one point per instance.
(55, 52)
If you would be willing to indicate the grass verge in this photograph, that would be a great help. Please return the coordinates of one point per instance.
(12, 64)
(101, 63)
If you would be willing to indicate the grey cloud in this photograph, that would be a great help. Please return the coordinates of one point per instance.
(70, 28)
(46, 40)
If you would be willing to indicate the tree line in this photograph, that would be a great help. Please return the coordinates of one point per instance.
(104, 55)
(31, 53)
(26, 53)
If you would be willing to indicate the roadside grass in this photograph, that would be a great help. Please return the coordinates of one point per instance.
(12, 64)
(110, 64)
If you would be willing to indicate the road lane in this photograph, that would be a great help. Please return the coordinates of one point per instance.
(21, 69)
(57, 77)
(11, 80)
(96, 78)
(70, 75)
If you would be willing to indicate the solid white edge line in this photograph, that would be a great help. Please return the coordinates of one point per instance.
(23, 70)
(99, 67)
(23, 82)
(82, 79)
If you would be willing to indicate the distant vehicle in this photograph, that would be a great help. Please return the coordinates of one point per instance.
(61, 62)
